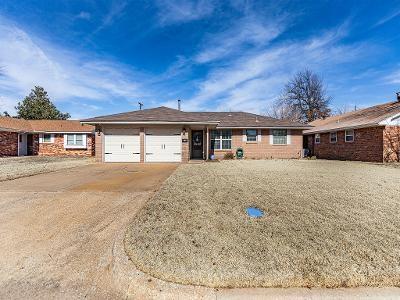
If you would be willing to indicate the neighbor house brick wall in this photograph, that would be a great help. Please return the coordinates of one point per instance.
(8, 143)
(57, 148)
(391, 143)
(367, 146)
(264, 149)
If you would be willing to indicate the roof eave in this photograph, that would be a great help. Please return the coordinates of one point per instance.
(343, 128)
(151, 122)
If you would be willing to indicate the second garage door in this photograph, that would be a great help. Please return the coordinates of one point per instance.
(163, 145)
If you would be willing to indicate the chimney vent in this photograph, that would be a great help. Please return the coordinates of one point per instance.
(179, 104)
(398, 96)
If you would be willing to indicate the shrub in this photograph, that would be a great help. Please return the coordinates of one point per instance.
(229, 155)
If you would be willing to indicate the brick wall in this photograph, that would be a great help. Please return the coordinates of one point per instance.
(57, 148)
(263, 149)
(391, 144)
(8, 143)
(367, 146)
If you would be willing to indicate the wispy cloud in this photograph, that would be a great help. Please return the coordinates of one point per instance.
(115, 11)
(84, 15)
(252, 80)
(249, 31)
(393, 78)
(394, 14)
(66, 75)
(181, 11)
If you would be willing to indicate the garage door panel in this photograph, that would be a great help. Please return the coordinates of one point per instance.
(121, 148)
(163, 145)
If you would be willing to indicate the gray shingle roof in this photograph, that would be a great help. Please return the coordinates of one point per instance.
(223, 119)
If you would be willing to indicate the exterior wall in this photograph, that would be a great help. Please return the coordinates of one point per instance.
(57, 148)
(185, 146)
(391, 144)
(99, 138)
(367, 145)
(263, 149)
(8, 143)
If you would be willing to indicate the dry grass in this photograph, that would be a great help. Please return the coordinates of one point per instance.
(327, 224)
(16, 167)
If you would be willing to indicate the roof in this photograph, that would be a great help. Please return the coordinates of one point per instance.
(22, 125)
(220, 119)
(368, 117)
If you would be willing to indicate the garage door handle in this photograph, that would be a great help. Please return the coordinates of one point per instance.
(149, 153)
(136, 152)
(108, 153)
(177, 153)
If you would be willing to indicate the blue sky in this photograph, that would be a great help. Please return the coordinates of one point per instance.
(99, 57)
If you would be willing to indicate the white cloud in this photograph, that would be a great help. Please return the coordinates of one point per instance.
(249, 31)
(393, 78)
(84, 15)
(387, 18)
(252, 80)
(181, 11)
(65, 75)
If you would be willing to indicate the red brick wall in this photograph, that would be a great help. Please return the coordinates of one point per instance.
(391, 144)
(57, 148)
(8, 143)
(263, 149)
(367, 146)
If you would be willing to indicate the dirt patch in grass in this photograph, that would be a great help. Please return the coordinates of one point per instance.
(327, 224)
(17, 167)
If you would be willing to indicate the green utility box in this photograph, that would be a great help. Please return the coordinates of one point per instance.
(239, 153)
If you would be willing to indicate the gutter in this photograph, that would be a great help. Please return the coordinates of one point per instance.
(343, 128)
(150, 122)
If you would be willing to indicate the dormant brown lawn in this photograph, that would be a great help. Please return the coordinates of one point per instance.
(326, 224)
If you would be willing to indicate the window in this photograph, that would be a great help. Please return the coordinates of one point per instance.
(317, 138)
(221, 139)
(349, 135)
(46, 138)
(279, 136)
(333, 137)
(75, 140)
(251, 135)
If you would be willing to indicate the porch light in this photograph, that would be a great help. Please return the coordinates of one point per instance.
(184, 130)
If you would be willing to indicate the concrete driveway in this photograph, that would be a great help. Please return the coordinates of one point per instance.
(59, 230)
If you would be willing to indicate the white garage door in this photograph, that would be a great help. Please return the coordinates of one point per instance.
(122, 145)
(163, 145)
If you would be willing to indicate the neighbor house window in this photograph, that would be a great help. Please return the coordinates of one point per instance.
(279, 136)
(75, 140)
(349, 135)
(221, 139)
(333, 136)
(251, 135)
(317, 138)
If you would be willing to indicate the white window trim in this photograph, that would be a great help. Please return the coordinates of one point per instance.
(319, 137)
(41, 139)
(258, 135)
(330, 137)
(220, 139)
(288, 137)
(346, 135)
(84, 141)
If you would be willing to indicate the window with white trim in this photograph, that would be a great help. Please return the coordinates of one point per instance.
(221, 139)
(317, 138)
(74, 140)
(251, 135)
(46, 138)
(333, 137)
(279, 137)
(349, 135)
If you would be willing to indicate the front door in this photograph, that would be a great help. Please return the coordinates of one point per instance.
(29, 142)
(197, 144)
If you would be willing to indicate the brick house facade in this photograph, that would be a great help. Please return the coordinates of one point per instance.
(20, 137)
(373, 135)
(167, 135)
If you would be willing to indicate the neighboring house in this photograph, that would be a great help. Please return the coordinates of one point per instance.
(371, 134)
(168, 135)
(19, 137)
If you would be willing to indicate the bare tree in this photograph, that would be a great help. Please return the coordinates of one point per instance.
(392, 143)
(304, 98)
(280, 111)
